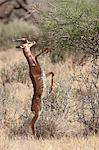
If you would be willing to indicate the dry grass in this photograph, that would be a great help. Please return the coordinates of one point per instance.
(58, 113)
(90, 143)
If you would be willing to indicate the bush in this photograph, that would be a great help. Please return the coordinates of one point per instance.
(88, 99)
(15, 73)
(72, 27)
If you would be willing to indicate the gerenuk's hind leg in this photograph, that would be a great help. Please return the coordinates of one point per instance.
(36, 109)
(33, 124)
(52, 75)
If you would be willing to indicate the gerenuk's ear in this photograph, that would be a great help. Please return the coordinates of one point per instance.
(31, 44)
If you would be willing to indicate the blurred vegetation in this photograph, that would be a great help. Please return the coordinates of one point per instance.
(70, 26)
(73, 26)
(15, 73)
(17, 29)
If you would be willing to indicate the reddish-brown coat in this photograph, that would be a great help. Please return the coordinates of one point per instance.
(36, 78)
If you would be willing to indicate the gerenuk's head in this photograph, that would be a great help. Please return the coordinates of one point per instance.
(24, 43)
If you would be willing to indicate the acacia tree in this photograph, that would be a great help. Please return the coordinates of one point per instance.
(72, 26)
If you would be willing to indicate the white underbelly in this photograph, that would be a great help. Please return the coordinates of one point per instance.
(45, 84)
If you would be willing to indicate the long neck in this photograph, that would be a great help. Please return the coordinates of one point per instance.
(29, 56)
(35, 73)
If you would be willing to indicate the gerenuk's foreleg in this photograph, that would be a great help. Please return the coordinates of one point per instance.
(46, 50)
